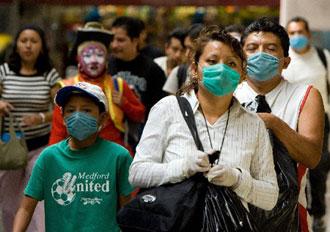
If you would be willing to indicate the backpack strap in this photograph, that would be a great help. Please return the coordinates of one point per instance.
(323, 59)
(189, 117)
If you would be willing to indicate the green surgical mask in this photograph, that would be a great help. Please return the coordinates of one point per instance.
(220, 79)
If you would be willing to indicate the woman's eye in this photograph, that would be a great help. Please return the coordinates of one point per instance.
(232, 64)
(211, 62)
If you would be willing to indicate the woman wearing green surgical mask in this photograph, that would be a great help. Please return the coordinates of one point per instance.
(167, 152)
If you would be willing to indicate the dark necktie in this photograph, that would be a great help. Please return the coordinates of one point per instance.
(263, 106)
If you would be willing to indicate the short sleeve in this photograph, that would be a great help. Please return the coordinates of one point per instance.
(35, 186)
(2, 74)
(53, 77)
(124, 187)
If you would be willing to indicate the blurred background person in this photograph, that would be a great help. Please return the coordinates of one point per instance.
(174, 50)
(235, 30)
(28, 85)
(143, 75)
(309, 65)
(180, 74)
(145, 47)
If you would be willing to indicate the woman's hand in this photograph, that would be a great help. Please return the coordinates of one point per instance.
(5, 108)
(196, 162)
(32, 120)
(223, 175)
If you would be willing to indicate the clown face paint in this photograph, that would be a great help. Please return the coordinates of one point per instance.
(92, 60)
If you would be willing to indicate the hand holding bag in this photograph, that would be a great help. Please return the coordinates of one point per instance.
(14, 153)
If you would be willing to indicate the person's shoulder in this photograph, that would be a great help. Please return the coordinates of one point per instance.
(115, 148)
(165, 106)
(5, 69)
(294, 87)
(160, 59)
(167, 101)
(50, 153)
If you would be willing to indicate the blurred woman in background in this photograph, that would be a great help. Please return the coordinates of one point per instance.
(27, 87)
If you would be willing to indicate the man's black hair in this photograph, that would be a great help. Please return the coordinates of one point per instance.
(234, 28)
(177, 33)
(131, 25)
(268, 25)
(194, 30)
(298, 19)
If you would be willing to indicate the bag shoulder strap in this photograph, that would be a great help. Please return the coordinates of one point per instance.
(323, 59)
(189, 117)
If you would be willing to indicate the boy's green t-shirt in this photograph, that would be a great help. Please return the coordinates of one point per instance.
(81, 187)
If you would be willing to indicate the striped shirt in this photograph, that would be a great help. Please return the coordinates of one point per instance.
(167, 143)
(28, 95)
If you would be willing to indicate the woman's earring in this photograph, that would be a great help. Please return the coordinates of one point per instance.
(194, 77)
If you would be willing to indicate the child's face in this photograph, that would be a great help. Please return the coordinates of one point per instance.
(78, 103)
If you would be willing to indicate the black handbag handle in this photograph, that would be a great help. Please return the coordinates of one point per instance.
(189, 117)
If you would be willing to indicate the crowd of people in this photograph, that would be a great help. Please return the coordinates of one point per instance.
(116, 127)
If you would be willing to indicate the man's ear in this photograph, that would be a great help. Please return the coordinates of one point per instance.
(286, 62)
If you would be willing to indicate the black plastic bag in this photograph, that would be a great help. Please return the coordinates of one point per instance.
(224, 211)
(284, 216)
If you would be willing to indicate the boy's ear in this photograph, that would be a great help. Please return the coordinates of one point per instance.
(103, 118)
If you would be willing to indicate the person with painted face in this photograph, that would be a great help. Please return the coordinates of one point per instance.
(167, 152)
(307, 67)
(296, 112)
(84, 178)
(91, 48)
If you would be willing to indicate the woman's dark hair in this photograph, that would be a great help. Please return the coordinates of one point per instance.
(43, 62)
(268, 25)
(208, 34)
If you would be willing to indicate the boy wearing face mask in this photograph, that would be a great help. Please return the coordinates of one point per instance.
(83, 179)
(307, 67)
(91, 49)
(297, 113)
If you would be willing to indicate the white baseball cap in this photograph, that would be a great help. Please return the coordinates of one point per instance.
(93, 91)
